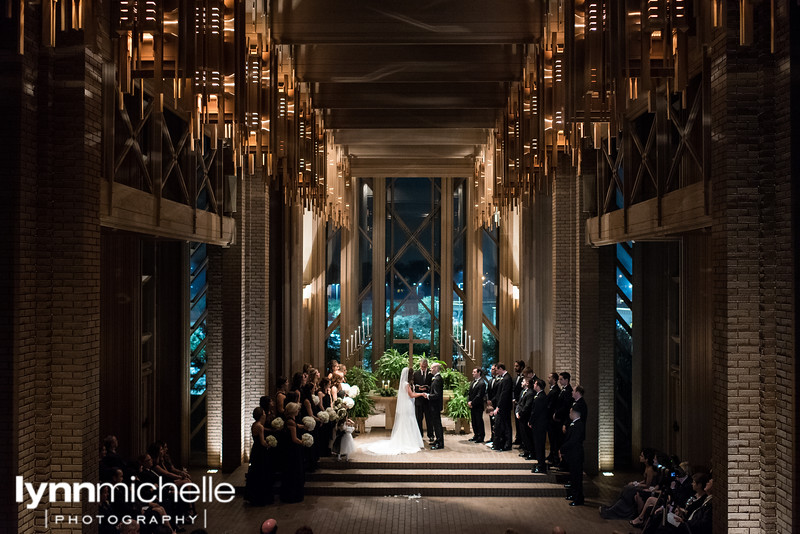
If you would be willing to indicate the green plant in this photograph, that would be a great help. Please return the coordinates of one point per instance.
(387, 392)
(457, 407)
(391, 364)
(454, 380)
(363, 405)
(366, 381)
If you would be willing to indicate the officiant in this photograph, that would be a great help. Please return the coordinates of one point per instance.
(422, 384)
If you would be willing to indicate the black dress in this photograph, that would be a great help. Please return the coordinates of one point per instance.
(258, 489)
(293, 477)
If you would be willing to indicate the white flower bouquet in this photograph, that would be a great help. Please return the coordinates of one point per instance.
(309, 422)
(272, 442)
(308, 440)
(346, 389)
(277, 423)
(315, 398)
(341, 413)
(349, 403)
(332, 415)
(324, 416)
(354, 392)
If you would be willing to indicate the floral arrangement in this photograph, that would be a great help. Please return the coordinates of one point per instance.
(345, 389)
(277, 423)
(315, 398)
(348, 403)
(309, 422)
(332, 415)
(354, 392)
(272, 442)
(388, 391)
(324, 416)
(308, 440)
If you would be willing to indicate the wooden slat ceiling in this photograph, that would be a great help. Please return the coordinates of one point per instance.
(408, 81)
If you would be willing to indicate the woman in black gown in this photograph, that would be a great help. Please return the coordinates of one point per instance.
(293, 478)
(258, 489)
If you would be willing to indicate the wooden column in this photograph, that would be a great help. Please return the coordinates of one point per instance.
(472, 285)
(507, 305)
(348, 277)
(446, 262)
(379, 266)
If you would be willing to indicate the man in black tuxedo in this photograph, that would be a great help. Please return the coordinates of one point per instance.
(475, 401)
(538, 423)
(561, 415)
(435, 404)
(572, 453)
(579, 403)
(519, 366)
(553, 428)
(523, 412)
(491, 391)
(503, 403)
(422, 384)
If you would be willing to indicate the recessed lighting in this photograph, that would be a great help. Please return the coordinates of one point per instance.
(608, 474)
(212, 471)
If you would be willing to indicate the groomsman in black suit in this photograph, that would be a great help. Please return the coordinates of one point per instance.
(572, 453)
(475, 401)
(553, 428)
(422, 384)
(579, 403)
(523, 413)
(491, 391)
(561, 415)
(519, 366)
(435, 405)
(503, 403)
(538, 423)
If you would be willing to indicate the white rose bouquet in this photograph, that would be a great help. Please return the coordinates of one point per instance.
(346, 389)
(308, 440)
(272, 442)
(277, 423)
(349, 403)
(324, 416)
(354, 392)
(315, 398)
(309, 422)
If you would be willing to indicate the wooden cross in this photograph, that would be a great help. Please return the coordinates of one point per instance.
(410, 341)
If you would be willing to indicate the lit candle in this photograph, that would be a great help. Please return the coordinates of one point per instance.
(473, 348)
(347, 346)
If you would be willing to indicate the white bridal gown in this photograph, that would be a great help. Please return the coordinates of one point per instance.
(405, 433)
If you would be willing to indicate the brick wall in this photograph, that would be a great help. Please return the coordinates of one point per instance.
(256, 328)
(752, 261)
(56, 269)
(565, 312)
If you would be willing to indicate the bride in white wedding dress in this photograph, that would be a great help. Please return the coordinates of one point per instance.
(405, 433)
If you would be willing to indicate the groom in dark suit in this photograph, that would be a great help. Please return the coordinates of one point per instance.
(435, 405)
(422, 384)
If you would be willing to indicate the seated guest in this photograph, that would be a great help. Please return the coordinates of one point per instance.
(680, 489)
(695, 517)
(625, 506)
(110, 459)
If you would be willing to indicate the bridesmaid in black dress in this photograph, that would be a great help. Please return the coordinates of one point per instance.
(293, 479)
(258, 489)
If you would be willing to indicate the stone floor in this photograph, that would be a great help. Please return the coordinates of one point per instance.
(409, 513)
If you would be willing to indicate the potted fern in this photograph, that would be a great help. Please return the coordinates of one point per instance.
(458, 410)
(363, 406)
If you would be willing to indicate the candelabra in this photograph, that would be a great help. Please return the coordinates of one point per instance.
(360, 338)
(464, 341)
